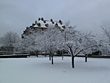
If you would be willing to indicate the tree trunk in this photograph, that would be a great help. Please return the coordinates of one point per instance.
(49, 57)
(72, 61)
(62, 57)
(72, 57)
(45, 55)
(52, 58)
(86, 58)
(37, 55)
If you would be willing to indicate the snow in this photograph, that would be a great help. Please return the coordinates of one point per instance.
(40, 70)
(49, 23)
(42, 24)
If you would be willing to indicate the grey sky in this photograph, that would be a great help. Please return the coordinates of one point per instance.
(88, 15)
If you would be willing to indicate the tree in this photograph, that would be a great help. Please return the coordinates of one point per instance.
(27, 43)
(105, 43)
(50, 41)
(10, 39)
(70, 40)
(58, 36)
(89, 44)
(106, 30)
(77, 43)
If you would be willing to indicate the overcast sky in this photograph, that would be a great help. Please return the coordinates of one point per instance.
(88, 15)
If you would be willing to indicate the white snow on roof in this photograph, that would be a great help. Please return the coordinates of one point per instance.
(43, 25)
(61, 26)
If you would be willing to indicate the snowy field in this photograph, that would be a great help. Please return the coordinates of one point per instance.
(40, 70)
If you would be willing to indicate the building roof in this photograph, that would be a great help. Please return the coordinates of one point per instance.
(41, 23)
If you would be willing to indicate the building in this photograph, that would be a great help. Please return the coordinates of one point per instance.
(41, 25)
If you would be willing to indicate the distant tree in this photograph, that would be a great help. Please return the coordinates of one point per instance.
(105, 42)
(10, 39)
(28, 43)
(106, 30)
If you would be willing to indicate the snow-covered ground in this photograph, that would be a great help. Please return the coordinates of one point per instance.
(40, 70)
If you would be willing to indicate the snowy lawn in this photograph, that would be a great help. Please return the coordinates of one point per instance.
(40, 70)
